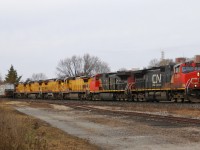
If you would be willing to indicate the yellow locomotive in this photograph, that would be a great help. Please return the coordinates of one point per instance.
(68, 88)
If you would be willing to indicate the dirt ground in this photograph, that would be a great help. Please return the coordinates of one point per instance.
(115, 132)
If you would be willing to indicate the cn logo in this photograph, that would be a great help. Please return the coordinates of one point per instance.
(156, 78)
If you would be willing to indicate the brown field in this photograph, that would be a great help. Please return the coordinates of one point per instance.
(20, 132)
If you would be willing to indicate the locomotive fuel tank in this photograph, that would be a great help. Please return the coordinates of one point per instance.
(107, 96)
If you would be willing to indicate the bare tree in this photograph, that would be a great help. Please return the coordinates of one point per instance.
(38, 76)
(93, 65)
(77, 66)
(156, 63)
(101, 67)
(165, 62)
(69, 67)
(153, 63)
(89, 64)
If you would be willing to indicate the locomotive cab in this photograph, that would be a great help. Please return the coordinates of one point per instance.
(178, 77)
(192, 75)
(187, 77)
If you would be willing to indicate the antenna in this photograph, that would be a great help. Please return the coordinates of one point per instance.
(162, 55)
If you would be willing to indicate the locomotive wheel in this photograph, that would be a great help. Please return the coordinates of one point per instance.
(121, 97)
(60, 96)
(132, 98)
(129, 98)
(117, 97)
(92, 97)
(36, 96)
(95, 97)
(87, 96)
(80, 97)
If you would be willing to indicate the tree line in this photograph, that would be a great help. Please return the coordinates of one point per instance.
(85, 65)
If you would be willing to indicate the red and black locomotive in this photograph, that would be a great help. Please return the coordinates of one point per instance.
(180, 82)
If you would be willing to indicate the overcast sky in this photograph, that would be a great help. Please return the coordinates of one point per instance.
(36, 34)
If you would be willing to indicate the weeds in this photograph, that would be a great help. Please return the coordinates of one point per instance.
(16, 135)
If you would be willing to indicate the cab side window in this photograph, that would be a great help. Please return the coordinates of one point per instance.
(177, 69)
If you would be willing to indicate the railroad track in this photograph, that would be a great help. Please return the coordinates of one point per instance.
(171, 119)
(148, 116)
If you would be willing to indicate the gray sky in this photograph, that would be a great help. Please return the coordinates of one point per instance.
(36, 34)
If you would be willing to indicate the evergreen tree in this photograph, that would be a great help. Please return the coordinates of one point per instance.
(12, 76)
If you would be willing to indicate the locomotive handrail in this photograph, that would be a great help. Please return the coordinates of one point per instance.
(65, 78)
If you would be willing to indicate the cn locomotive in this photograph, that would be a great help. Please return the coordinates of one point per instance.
(180, 82)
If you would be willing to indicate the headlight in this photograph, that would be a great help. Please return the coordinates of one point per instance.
(198, 74)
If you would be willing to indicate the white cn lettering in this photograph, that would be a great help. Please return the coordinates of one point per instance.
(156, 78)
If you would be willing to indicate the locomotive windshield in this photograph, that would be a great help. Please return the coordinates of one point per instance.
(190, 69)
(187, 69)
(197, 68)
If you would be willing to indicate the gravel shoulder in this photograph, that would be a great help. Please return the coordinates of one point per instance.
(116, 132)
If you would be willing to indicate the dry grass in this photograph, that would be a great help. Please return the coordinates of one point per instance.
(15, 134)
(21, 132)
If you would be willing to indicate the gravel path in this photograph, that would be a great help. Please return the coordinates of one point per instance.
(118, 132)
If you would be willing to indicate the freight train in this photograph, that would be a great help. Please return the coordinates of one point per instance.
(180, 82)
